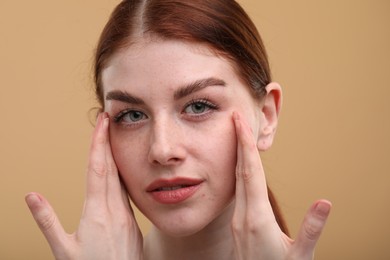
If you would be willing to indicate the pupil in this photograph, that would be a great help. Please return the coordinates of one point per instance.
(199, 107)
(135, 115)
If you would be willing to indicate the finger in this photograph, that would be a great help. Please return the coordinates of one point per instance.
(114, 187)
(48, 222)
(311, 229)
(125, 197)
(249, 172)
(240, 196)
(97, 168)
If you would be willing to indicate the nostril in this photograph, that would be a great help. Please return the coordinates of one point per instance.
(166, 161)
(166, 147)
(167, 154)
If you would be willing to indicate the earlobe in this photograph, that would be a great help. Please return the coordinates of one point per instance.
(270, 110)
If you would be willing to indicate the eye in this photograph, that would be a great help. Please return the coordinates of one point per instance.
(130, 116)
(199, 107)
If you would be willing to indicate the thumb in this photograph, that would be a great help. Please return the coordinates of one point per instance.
(47, 221)
(311, 229)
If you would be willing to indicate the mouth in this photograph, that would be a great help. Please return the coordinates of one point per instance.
(172, 188)
(173, 191)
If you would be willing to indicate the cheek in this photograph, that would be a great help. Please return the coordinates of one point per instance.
(225, 149)
(128, 153)
(223, 155)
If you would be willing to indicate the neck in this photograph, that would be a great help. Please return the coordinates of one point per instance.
(215, 241)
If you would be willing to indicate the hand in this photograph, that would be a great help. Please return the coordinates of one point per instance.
(108, 229)
(256, 232)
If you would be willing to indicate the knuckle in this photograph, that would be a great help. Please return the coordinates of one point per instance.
(107, 223)
(98, 221)
(252, 227)
(99, 170)
(46, 222)
(237, 225)
(248, 227)
(244, 173)
(311, 232)
(247, 175)
(236, 228)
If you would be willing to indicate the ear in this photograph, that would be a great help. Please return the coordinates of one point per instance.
(271, 105)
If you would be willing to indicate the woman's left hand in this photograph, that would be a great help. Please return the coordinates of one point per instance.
(256, 233)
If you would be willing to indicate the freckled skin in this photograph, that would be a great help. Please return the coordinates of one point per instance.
(171, 143)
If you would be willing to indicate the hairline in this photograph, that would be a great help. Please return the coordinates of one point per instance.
(203, 47)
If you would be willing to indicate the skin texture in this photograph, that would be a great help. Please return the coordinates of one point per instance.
(154, 130)
(171, 140)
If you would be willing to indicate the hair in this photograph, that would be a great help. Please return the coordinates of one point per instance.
(221, 25)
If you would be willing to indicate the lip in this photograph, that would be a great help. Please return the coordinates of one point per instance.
(172, 191)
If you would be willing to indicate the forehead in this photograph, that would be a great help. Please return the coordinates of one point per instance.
(164, 62)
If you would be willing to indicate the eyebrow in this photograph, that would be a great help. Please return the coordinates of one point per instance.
(124, 97)
(182, 92)
(197, 86)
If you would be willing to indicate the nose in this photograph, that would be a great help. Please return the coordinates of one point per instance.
(167, 143)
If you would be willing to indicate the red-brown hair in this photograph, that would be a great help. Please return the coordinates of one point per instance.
(222, 25)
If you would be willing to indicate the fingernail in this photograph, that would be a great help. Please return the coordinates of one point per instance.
(105, 116)
(105, 121)
(323, 208)
(32, 199)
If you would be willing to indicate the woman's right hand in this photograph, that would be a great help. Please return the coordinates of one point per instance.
(107, 229)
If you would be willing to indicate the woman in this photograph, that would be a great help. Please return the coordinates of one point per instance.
(187, 104)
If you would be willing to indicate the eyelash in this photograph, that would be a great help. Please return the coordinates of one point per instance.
(119, 117)
(203, 101)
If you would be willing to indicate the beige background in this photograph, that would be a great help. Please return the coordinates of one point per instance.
(332, 58)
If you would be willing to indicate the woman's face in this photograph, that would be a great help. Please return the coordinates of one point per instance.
(172, 133)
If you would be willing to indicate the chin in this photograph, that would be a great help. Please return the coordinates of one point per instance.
(189, 223)
(176, 226)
